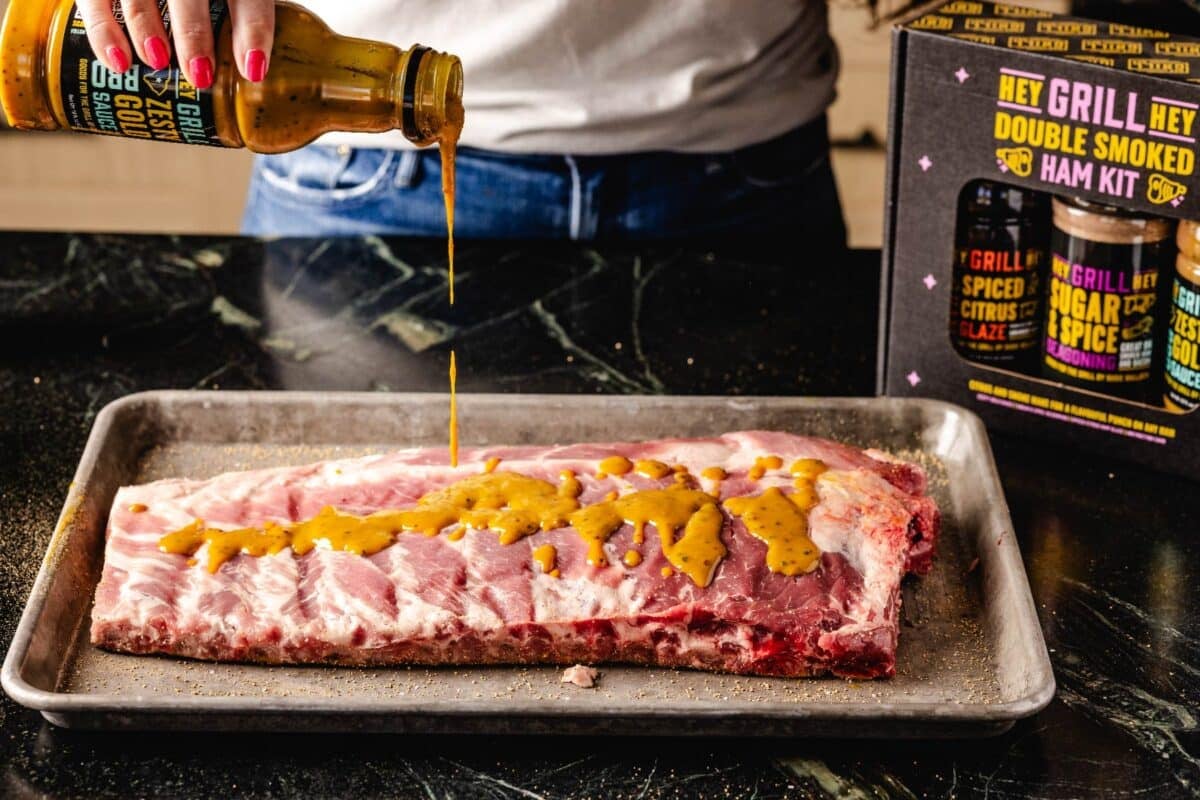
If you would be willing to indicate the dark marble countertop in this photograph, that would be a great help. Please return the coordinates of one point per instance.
(85, 319)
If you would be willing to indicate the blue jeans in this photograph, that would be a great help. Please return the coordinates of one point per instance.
(781, 187)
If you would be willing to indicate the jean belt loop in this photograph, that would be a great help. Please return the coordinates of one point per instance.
(406, 169)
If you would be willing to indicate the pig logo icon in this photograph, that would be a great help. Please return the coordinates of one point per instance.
(1018, 160)
(1161, 189)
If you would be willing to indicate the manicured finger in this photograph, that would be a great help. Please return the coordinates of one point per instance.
(104, 34)
(253, 36)
(146, 31)
(191, 29)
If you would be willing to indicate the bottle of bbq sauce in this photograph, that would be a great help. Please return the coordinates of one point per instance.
(318, 82)
(1102, 309)
(1181, 376)
(1001, 238)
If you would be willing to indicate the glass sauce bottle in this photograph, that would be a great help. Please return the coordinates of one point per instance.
(1181, 374)
(1102, 298)
(1001, 238)
(318, 82)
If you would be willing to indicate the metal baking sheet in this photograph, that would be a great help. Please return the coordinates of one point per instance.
(971, 659)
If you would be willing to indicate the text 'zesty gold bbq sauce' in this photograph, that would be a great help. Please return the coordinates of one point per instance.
(318, 82)
(1100, 309)
(1181, 375)
(1000, 247)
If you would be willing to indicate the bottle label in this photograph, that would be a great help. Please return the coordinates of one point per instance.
(996, 300)
(1183, 345)
(141, 103)
(1100, 315)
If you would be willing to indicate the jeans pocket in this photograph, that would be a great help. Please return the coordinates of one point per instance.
(327, 175)
(785, 161)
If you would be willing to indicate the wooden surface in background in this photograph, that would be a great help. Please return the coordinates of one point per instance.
(70, 181)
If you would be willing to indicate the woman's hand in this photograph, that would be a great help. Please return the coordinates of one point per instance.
(191, 28)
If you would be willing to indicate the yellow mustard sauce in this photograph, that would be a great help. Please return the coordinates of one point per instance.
(614, 465)
(808, 468)
(762, 464)
(448, 145)
(570, 485)
(513, 506)
(697, 550)
(491, 464)
(138, 508)
(453, 411)
(224, 545)
(666, 572)
(546, 556)
(654, 470)
(613, 495)
(714, 474)
(773, 518)
(805, 496)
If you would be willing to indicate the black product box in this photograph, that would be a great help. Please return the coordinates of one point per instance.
(1040, 105)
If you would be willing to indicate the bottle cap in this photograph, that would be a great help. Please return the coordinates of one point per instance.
(1098, 222)
(1188, 239)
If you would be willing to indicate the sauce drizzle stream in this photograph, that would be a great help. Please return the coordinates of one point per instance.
(447, 147)
(453, 411)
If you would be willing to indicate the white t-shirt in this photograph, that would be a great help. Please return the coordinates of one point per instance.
(613, 76)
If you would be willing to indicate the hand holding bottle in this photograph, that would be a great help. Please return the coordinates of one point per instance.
(253, 34)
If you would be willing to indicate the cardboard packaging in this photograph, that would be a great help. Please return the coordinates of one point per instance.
(1102, 112)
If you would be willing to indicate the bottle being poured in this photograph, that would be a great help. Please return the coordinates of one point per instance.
(316, 82)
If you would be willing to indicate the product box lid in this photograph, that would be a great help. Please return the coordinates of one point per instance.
(1127, 47)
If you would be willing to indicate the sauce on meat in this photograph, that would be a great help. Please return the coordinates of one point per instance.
(614, 465)
(513, 506)
(692, 515)
(570, 486)
(654, 470)
(762, 465)
(807, 468)
(776, 519)
(546, 556)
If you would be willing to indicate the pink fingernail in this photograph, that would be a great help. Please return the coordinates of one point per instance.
(202, 72)
(156, 51)
(117, 58)
(256, 65)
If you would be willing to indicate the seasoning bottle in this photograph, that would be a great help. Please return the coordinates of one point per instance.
(318, 82)
(1181, 373)
(1103, 287)
(1001, 237)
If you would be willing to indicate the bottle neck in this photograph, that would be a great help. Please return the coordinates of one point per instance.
(26, 79)
(428, 93)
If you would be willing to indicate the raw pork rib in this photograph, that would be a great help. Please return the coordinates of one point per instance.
(431, 600)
